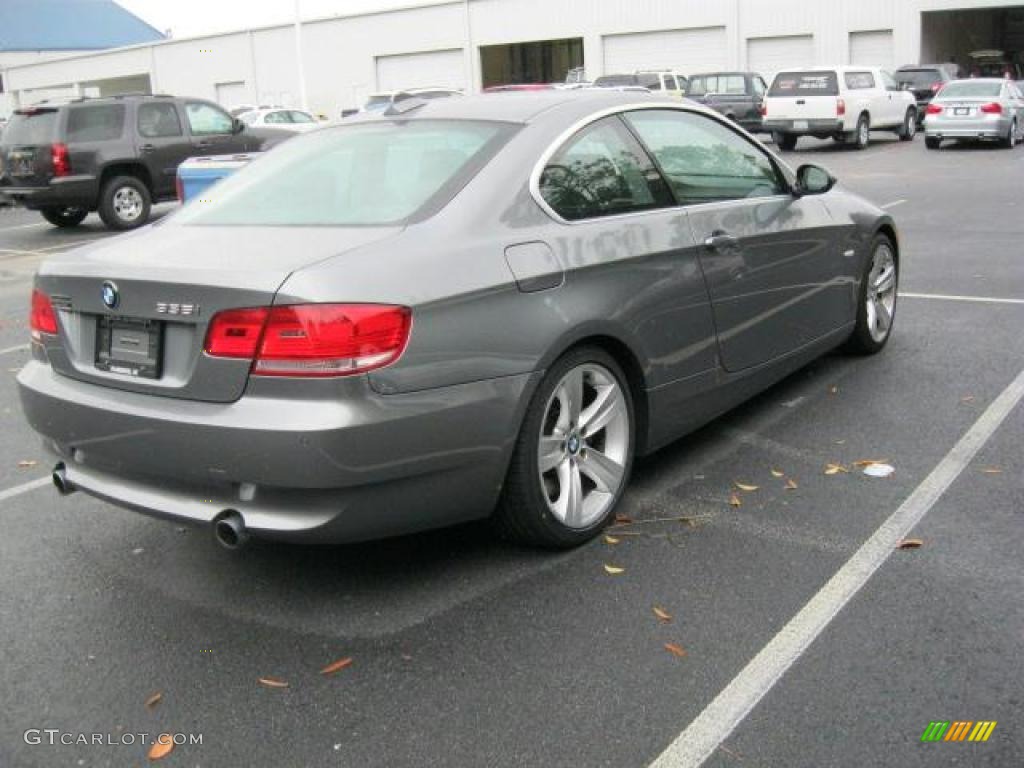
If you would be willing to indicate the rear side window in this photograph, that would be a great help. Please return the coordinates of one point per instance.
(703, 160)
(102, 122)
(612, 81)
(157, 121)
(301, 117)
(373, 174)
(276, 118)
(805, 84)
(859, 80)
(602, 171)
(33, 128)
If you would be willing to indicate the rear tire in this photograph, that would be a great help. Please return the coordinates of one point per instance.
(908, 130)
(932, 143)
(876, 298)
(581, 421)
(862, 134)
(64, 217)
(786, 142)
(124, 203)
(1011, 138)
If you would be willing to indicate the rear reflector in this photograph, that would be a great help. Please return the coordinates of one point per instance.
(42, 319)
(60, 159)
(311, 340)
(840, 107)
(933, 109)
(992, 109)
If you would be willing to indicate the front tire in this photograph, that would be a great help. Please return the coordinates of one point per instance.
(876, 298)
(63, 216)
(908, 130)
(574, 454)
(125, 203)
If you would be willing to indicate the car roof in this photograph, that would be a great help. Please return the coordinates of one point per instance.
(989, 80)
(520, 106)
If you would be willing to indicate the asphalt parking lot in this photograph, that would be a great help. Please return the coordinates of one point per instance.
(786, 646)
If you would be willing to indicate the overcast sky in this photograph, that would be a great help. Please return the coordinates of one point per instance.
(186, 18)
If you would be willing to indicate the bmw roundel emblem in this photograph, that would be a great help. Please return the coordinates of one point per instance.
(109, 294)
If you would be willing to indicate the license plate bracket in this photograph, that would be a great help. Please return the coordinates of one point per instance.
(21, 164)
(963, 111)
(799, 125)
(129, 347)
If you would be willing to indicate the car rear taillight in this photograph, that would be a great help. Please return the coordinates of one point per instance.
(42, 319)
(933, 109)
(311, 339)
(179, 189)
(236, 333)
(840, 107)
(60, 159)
(992, 109)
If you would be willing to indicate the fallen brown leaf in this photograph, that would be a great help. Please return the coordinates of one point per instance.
(791, 484)
(614, 570)
(868, 462)
(336, 666)
(663, 616)
(25, 463)
(967, 399)
(745, 487)
(153, 700)
(992, 471)
(734, 500)
(778, 473)
(675, 650)
(835, 469)
(611, 540)
(161, 747)
(273, 682)
(909, 544)
(623, 519)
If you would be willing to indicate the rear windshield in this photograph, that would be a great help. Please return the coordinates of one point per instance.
(372, 174)
(805, 84)
(97, 123)
(35, 128)
(968, 90)
(919, 78)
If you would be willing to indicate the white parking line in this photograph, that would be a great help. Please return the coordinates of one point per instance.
(31, 485)
(13, 349)
(703, 736)
(953, 297)
(26, 226)
(894, 203)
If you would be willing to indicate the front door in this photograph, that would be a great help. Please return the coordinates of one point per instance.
(770, 259)
(162, 143)
(212, 130)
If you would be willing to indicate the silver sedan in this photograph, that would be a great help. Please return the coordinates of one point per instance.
(461, 308)
(983, 108)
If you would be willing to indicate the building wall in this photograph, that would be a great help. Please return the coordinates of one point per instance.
(340, 53)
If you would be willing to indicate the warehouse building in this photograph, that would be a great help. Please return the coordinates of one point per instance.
(473, 44)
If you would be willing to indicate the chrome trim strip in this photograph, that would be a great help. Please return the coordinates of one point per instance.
(579, 125)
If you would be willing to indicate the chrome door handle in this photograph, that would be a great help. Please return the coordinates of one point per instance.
(718, 241)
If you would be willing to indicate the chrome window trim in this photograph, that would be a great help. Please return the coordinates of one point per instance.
(581, 124)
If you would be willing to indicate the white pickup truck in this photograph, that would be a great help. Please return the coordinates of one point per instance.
(844, 103)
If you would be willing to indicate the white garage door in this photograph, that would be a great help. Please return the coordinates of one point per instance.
(420, 70)
(768, 55)
(687, 51)
(873, 49)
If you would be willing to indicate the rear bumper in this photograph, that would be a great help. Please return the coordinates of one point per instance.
(941, 127)
(344, 469)
(828, 127)
(72, 191)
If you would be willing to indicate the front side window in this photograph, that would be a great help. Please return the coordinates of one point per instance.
(703, 84)
(158, 120)
(733, 85)
(859, 80)
(206, 119)
(99, 123)
(602, 171)
(889, 81)
(703, 160)
(374, 174)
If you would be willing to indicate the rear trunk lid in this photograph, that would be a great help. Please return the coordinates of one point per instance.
(167, 282)
(26, 148)
(803, 96)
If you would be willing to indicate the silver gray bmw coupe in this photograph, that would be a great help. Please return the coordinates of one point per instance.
(473, 307)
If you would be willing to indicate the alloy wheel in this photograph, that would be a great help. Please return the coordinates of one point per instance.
(881, 292)
(584, 445)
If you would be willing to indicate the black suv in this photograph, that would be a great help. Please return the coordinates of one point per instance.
(737, 95)
(114, 155)
(924, 81)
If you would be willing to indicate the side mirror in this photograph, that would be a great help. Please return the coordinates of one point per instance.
(237, 126)
(813, 180)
